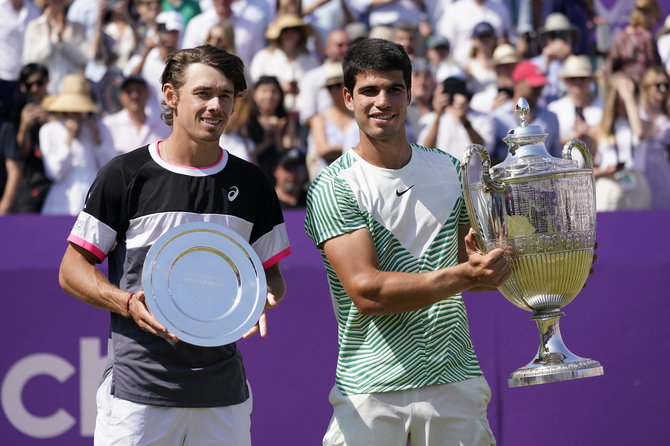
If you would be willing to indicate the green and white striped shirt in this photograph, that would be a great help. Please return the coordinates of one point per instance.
(413, 214)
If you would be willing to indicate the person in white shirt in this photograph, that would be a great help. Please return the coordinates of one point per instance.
(74, 147)
(314, 97)
(16, 14)
(248, 34)
(579, 112)
(131, 127)
(452, 126)
(151, 62)
(54, 41)
(459, 19)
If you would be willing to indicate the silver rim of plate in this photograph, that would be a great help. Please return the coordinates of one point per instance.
(205, 283)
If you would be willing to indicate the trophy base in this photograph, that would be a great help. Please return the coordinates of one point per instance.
(549, 373)
(553, 362)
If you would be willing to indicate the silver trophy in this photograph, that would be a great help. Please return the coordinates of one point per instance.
(541, 210)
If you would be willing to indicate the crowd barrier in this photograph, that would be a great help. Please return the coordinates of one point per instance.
(55, 346)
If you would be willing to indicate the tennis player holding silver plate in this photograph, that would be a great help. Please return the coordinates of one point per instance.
(541, 210)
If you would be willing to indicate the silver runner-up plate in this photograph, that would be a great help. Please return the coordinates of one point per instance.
(205, 283)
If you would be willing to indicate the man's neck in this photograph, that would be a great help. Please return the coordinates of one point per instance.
(183, 151)
(389, 153)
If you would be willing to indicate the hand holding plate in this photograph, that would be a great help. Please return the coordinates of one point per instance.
(138, 311)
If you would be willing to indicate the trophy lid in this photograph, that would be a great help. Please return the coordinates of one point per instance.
(527, 155)
(526, 133)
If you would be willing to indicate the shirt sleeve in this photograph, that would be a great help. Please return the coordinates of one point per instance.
(332, 209)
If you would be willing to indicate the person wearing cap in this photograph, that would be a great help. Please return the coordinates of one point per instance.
(156, 388)
(389, 220)
(74, 147)
(453, 126)
(579, 112)
(290, 177)
(56, 42)
(504, 61)
(314, 97)
(558, 36)
(249, 38)
(325, 142)
(438, 49)
(286, 57)
(528, 83)
(131, 126)
(458, 21)
(149, 64)
(479, 67)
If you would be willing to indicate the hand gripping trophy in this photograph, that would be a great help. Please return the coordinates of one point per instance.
(541, 211)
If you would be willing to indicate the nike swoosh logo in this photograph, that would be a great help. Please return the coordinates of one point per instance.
(398, 193)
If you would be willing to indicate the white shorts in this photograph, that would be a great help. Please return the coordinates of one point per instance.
(447, 414)
(124, 423)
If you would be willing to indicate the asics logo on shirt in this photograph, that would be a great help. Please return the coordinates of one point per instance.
(398, 193)
(232, 193)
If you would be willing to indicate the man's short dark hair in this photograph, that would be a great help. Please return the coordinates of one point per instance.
(30, 69)
(174, 72)
(375, 55)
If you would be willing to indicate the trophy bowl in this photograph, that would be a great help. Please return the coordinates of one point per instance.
(541, 211)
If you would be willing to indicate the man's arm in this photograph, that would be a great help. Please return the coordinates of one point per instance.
(79, 277)
(374, 292)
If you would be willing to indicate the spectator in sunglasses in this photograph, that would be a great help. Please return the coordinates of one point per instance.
(34, 183)
(558, 36)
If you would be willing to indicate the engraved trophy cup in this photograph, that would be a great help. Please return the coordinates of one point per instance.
(541, 211)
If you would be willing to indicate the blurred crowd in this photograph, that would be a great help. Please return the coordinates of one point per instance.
(80, 84)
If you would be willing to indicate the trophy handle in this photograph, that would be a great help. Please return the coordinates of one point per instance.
(489, 183)
(583, 150)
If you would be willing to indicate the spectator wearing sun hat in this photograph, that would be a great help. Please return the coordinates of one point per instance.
(74, 146)
(528, 83)
(579, 112)
(559, 37)
(286, 57)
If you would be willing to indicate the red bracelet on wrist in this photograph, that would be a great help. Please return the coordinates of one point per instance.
(128, 304)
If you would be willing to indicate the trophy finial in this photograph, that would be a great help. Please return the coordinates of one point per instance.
(522, 110)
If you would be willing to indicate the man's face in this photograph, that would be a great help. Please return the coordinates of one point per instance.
(168, 42)
(423, 84)
(578, 85)
(291, 177)
(222, 7)
(379, 101)
(203, 105)
(336, 45)
(35, 87)
(148, 9)
(133, 96)
(406, 39)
